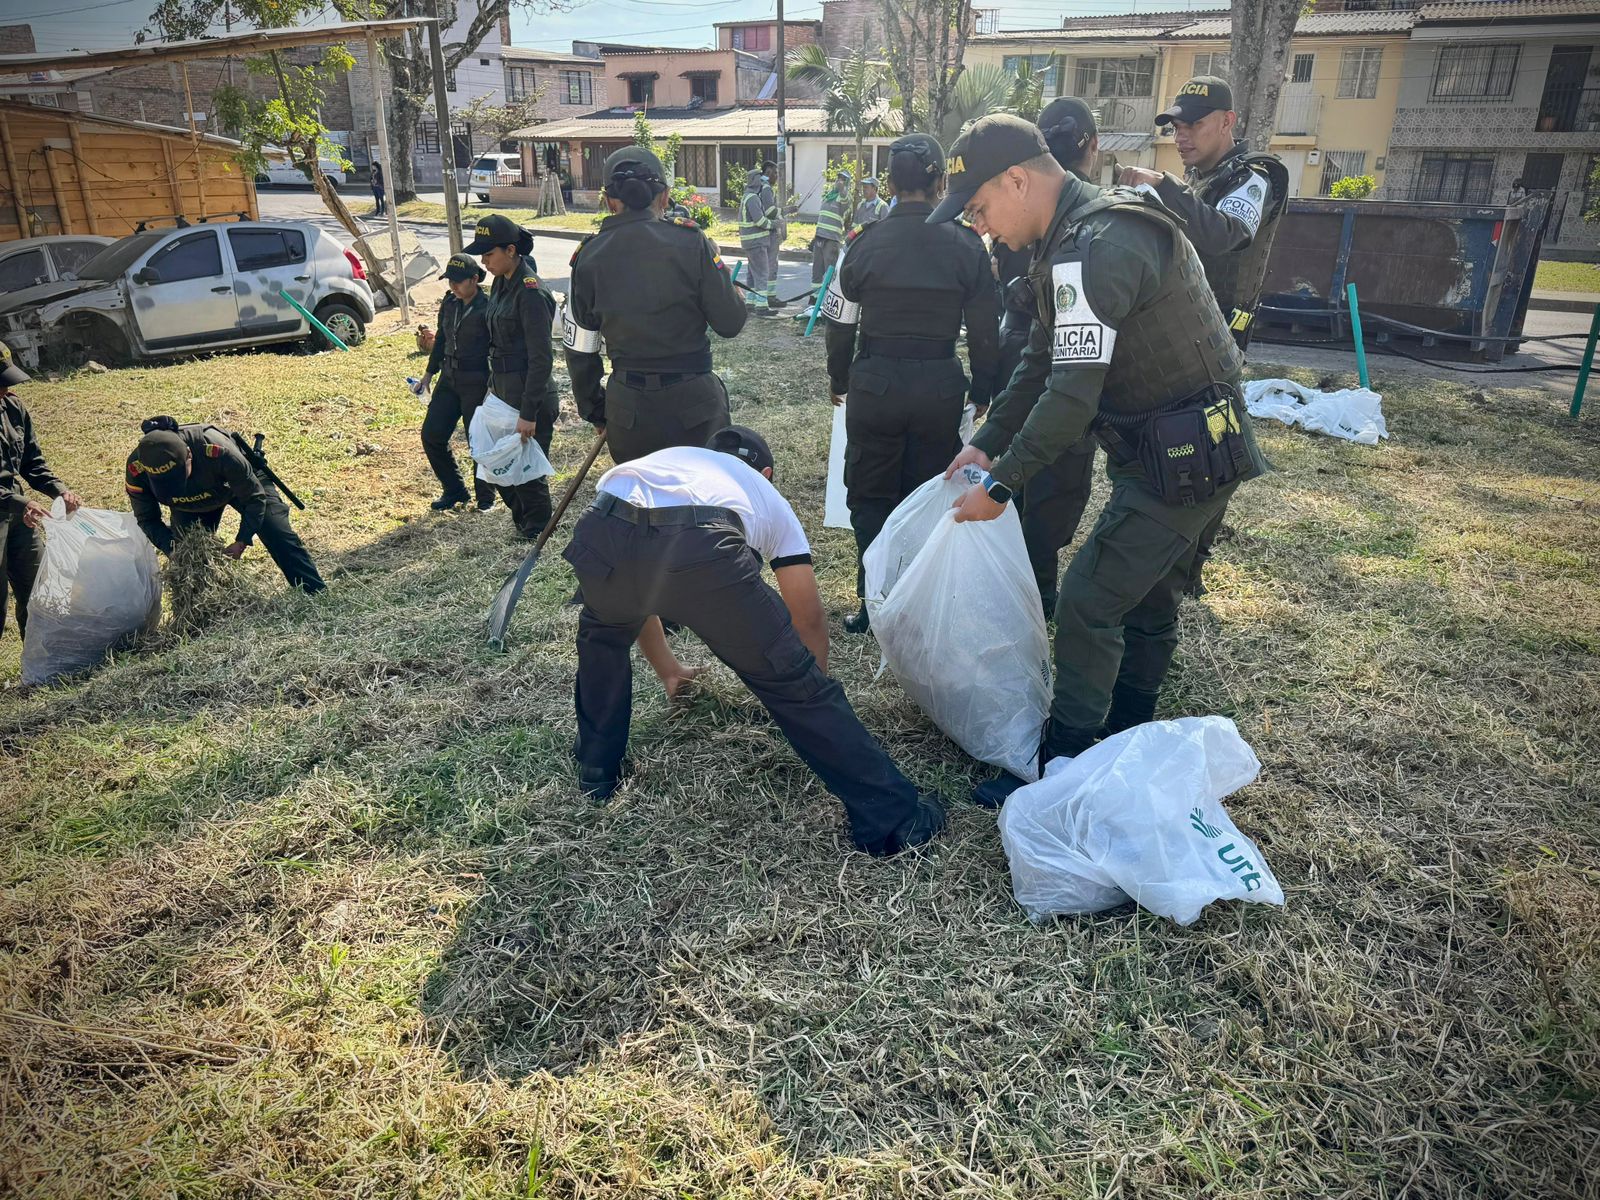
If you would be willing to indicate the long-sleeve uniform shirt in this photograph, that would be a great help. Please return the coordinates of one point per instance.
(22, 463)
(521, 314)
(461, 346)
(649, 288)
(903, 279)
(218, 476)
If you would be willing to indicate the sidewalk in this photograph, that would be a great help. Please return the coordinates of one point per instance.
(1578, 302)
(730, 249)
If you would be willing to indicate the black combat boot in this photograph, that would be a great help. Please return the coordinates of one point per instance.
(916, 830)
(451, 499)
(1130, 706)
(858, 621)
(1059, 742)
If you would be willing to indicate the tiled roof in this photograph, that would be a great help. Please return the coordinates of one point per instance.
(1486, 11)
(1316, 25)
(1125, 33)
(528, 54)
(743, 123)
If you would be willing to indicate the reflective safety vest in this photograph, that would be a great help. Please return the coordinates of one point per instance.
(830, 221)
(755, 223)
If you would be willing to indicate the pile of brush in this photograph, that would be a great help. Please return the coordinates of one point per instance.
(203, 584)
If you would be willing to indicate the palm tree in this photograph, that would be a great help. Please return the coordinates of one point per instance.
(855, 94)
(985, 88)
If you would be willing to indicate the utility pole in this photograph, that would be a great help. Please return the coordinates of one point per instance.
(383, 149)
(441, 117)
(783, 142)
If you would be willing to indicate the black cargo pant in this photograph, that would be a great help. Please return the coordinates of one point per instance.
(530, 502)
(276, 534)
(21, 552)
(648, 411)
(456, 396)
(693, 566)
(903, 422)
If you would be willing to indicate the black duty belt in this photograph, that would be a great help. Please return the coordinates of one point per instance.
(652, 380)
(508, 364)
(696, 362)
(466, 366)
(678, 514)
(906, 347)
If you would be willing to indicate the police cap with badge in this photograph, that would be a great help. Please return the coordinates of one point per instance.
(10, 373)
(495, 230)
(991, 145)
(1201, 96)
(162, 457)
(460, 268)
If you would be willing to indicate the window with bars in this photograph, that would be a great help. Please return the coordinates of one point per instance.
(427, 137)
(641, 91)
(1340, 164)
(1301, 68)
(1039, 64)
(577, 87)
(1455, 178)
(520, 83)
(698, 165)
(1115, 77)
(1472, 72)
(703, 88)
(1358, 73)
(1217, 62)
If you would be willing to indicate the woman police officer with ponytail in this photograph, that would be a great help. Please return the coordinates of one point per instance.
(906, 287)
(521, 315)
(649, 286)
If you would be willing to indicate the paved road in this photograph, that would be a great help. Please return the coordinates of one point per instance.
(552, 255)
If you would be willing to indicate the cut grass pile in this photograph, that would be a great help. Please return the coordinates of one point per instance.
(308, 904)
(724, 229)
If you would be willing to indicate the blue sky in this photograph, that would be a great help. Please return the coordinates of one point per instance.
(92, 24)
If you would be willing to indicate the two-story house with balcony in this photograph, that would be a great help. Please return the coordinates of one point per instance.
(1493, 91)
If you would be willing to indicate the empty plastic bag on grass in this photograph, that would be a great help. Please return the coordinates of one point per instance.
(956, 613)
(1354, 414)
(1138, 817)
(99, 587)
(502, 456)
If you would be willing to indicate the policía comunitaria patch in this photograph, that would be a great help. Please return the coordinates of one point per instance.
(834, 306)
(576, 338)
(1080, 338)
(1246, 201)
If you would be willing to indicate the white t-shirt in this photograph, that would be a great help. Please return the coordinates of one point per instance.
(681, 475)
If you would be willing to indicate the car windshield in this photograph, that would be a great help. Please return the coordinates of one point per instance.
(116, 258)
(487, 164)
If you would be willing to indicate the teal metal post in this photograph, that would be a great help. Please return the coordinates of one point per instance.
(1588, 362)
(1355, 329)
(816, 301)
(326, 332)
(736, 267)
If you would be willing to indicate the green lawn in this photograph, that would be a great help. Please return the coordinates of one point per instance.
(308, 904)
(724, 230)
(1567, 277)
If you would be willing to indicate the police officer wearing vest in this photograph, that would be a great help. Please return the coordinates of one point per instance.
(831, 226)
(1232, 202)
(906, 286)
(758, 216)
(1129, 344)
(682, 534)
(650, 288)
(460, 361)
(197, 471)
(521, 315)
(872, 207)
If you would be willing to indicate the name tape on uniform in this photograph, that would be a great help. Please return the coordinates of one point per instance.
(1080, 338)
(1246, 202)
(576, 338)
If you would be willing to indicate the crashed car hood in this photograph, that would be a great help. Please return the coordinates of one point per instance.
(41, 294)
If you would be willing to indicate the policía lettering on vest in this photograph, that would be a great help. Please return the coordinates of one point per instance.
(1079, 343)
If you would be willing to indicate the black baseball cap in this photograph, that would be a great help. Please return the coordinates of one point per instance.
(494, 230)
(744, 442)
(1068, 126)
(926, 149)
(989, 146)
(637, 162)
(1201, 95)
(10, 373)
(161, 457)
(461, 267)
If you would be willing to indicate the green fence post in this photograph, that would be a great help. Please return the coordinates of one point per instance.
(736, 267)
(326, 332)
(1355, 329)
(1588, 362)
(816, 301)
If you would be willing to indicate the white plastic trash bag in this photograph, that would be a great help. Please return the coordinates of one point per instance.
(98, 587)
(1354, 414)
(956, 613)
(502, 456)
(1139, 817)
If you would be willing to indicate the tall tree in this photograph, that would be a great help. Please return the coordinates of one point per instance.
(986, 88)
(855, 94)
(925, 42)
(1259, 48)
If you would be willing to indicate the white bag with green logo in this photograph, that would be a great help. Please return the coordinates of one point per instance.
(1138, 817)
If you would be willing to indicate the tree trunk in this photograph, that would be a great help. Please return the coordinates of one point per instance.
(1260, 48)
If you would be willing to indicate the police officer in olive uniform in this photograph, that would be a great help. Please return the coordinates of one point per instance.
(1129, 344)
(521, 316)
(873, 207)
(197, 471)
(650, 288)
(1232, 202)
(460, 360)
(906, 286)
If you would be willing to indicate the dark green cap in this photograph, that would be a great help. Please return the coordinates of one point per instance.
(989, 146)
(461, 267)
(1201, 95)
(1068, 126)
(637, 162)
(494, 230)
(160, 457)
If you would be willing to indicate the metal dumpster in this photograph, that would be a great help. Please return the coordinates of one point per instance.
(1459, 269)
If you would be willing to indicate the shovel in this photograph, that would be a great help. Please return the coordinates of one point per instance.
(505, 601)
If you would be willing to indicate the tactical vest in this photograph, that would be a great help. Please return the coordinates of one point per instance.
(1236, 277)
(1171, 347)
(830, 221)
(752, 228)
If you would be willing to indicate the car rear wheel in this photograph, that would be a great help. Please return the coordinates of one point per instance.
(342, 321)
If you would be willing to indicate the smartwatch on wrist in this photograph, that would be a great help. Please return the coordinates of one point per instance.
(998, 492)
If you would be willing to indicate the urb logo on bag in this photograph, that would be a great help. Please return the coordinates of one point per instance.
(1241, 866)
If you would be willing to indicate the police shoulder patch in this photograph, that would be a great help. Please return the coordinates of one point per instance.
(530, 281)
(1079, 338)
(213, 450)
(582, 242)
(855, 233)
(685, 222)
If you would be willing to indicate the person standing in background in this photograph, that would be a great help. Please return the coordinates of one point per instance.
(380, 206)
(460, 359)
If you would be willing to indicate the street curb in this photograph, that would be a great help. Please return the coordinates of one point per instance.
(573, 235)
(1571, 302)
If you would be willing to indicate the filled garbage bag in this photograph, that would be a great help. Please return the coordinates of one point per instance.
(956, 613)
(502, 456)
(1138, 816)
(98, 588)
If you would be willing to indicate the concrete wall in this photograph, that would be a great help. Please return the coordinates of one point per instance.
(672, 90)
(549, 79)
